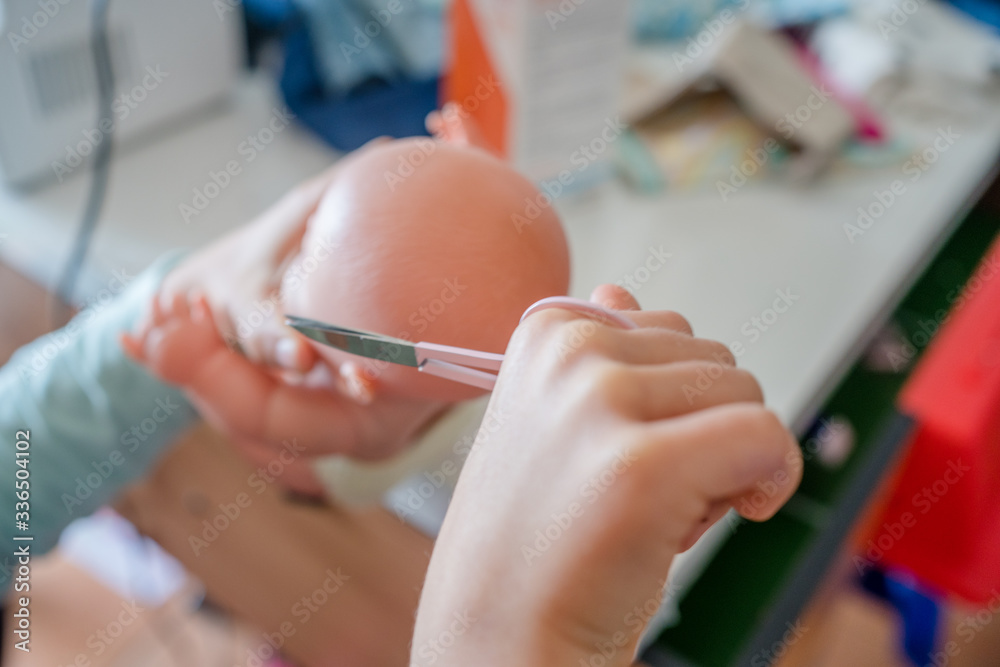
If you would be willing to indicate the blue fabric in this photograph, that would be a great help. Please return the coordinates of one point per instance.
(354, 41)
(918, 609)
(96, 420)
(372, 109)
(683, 19)
(269, 13)
(920, 614)
(359, 69)
(987, 11)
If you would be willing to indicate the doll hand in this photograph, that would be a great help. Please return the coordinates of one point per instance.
(455, 126)
(175, 341)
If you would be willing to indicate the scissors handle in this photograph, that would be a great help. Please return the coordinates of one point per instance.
(588, 308)
(463, 374)
(427, 352)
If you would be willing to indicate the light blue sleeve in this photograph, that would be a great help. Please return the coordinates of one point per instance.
(94, 420)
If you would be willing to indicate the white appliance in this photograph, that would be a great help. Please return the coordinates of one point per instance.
(170, 60)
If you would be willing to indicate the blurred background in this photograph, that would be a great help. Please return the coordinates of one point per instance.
(811, 182)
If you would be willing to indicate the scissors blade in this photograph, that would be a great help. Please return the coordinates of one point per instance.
(361, 343)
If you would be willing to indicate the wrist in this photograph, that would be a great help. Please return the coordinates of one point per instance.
(493, 640)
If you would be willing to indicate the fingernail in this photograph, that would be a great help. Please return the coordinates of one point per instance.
(286, 353)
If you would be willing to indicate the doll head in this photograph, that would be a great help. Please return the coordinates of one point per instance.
(417, 239)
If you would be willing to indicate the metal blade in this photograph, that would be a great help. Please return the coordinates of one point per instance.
(361, 343)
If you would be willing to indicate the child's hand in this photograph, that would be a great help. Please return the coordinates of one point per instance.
(176, 341)
(592, 469)
(181, 345)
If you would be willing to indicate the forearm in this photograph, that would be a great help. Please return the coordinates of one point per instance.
(94, 420)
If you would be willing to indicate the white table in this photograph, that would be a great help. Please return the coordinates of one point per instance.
(730, 258)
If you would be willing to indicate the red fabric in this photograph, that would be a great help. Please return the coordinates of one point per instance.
(943, 520)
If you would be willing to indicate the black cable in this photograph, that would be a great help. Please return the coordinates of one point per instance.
(104, 73)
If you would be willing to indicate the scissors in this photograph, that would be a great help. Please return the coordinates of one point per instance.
(453, 363)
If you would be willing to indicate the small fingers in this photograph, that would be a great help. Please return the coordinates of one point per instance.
(292, 473)
(178, 307)
(132, 346)
(156, 314)
(201, 309)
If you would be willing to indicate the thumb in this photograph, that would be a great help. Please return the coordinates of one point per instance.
(614, 297)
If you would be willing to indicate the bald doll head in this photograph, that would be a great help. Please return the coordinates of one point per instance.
(423, 246)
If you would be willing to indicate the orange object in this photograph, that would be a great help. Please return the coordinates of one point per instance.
(541, 80)
(473, 81)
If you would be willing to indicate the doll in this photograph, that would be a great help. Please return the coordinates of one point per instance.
(415, 239)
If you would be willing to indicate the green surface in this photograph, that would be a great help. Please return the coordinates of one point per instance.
(721, 611)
